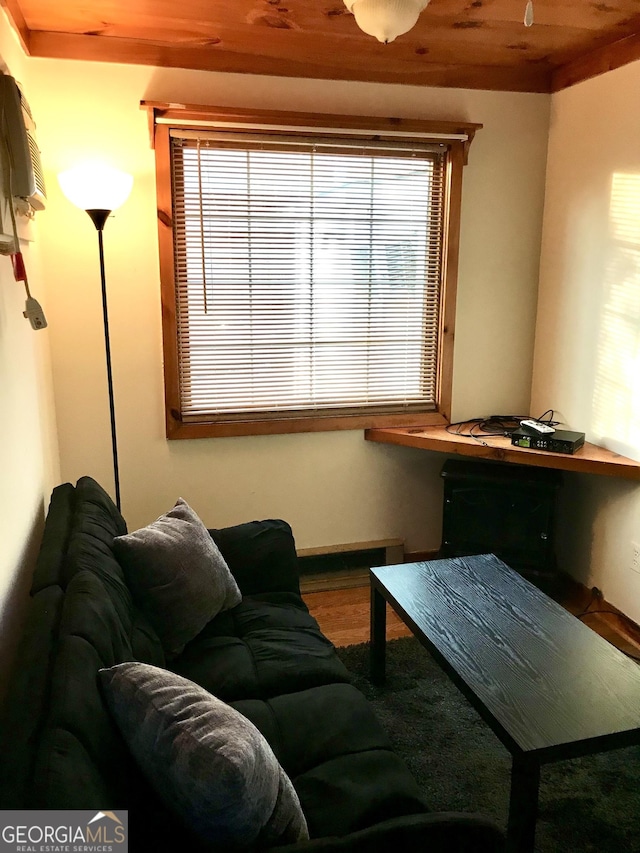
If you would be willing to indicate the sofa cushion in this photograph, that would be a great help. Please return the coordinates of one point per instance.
(88, 543)
(78, 535)
(338, 757)
(261, 555)
(81, 759)
(66, 752)
(49, 569)
(29, 692)
(207, 761)
(96, 520)
(177, 575)
(268, 644)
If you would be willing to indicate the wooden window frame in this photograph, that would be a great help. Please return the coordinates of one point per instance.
(458, 136)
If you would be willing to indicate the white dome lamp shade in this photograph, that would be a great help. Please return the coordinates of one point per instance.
(386, 19)
(96, 188)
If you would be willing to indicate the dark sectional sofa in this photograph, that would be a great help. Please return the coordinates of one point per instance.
(266, 657)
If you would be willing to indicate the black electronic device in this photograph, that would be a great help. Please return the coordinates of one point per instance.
(560, 441)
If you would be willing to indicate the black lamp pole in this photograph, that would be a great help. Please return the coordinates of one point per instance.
(99, 218)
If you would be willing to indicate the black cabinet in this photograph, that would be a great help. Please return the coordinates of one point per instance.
(506, 510)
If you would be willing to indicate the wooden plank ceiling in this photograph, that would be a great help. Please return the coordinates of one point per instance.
(480, 44)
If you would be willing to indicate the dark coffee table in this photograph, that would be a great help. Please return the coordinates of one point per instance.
(547, 685)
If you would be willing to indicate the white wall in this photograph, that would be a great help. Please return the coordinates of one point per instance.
(587, 353)
(28, 451)
(332, 487)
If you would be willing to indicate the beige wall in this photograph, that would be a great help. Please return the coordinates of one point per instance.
(587, 354)
(28, 452)
(332, 487)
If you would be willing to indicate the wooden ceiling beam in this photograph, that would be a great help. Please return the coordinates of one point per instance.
(454, 45)
(527, 78)
(596, 62)
(16, 18)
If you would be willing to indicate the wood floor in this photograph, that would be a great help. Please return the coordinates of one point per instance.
(343, 616)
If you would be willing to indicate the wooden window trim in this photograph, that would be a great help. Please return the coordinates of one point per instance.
(164, 117)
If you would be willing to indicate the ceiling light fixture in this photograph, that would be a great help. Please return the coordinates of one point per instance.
(386, 19)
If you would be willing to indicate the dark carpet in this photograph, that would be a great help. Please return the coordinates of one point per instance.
(586, 804)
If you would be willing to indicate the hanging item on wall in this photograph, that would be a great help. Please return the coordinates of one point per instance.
(26, 179)
(22, 188)
(32, 309)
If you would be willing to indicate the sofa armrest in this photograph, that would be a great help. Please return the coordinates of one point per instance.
(261, 556)
(437, 832)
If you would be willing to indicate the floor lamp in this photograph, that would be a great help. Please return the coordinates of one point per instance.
(99, 190)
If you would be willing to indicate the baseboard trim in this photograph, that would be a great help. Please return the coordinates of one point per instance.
(420, 556)
(344, 566)
(584, 602)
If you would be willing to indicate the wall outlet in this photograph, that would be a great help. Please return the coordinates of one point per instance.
(635, 557)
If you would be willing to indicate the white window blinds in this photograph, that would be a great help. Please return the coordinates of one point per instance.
(307, 275)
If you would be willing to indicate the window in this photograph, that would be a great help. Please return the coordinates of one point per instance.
(308, 276)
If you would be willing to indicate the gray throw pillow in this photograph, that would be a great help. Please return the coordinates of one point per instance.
(177, 575)
(206, 760)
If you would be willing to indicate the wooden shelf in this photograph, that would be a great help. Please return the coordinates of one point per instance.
(590, 459)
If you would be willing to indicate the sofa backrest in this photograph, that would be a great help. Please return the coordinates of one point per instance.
(261, 556)
(27, 696)
(58, 742)
(49, 568)
(81, 757)
(81, 523)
